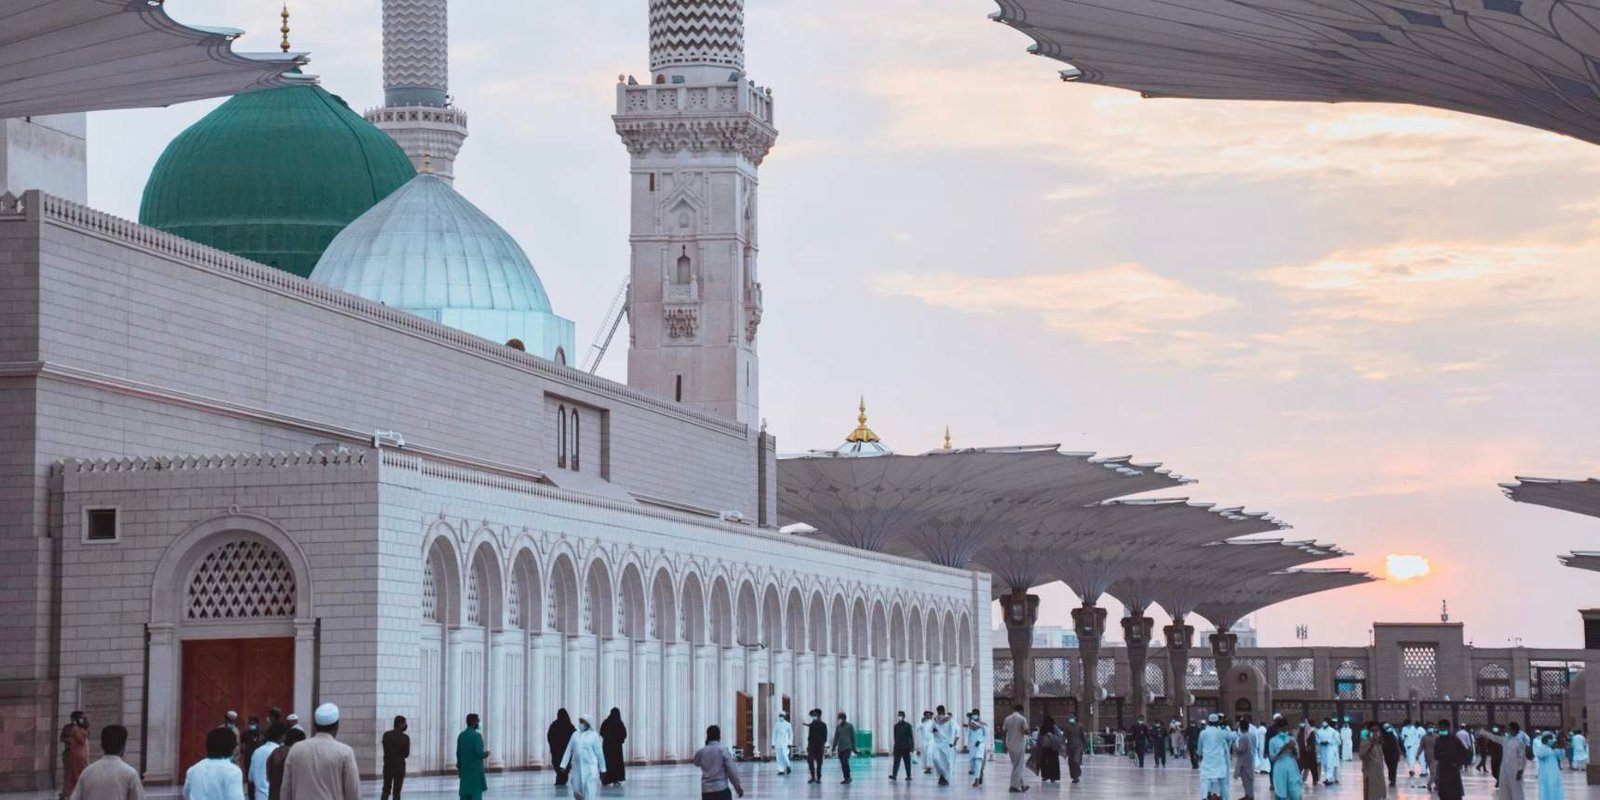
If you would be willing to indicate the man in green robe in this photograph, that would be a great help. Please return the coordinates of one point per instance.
(469, 760)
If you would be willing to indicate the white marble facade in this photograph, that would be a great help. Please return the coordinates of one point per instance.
(430, 591)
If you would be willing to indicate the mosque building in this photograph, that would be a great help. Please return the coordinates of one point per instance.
(295, 439)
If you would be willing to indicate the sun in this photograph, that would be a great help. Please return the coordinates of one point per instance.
(1405, 567)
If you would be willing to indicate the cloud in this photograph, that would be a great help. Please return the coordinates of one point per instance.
(1113, 304)
(1011, 105)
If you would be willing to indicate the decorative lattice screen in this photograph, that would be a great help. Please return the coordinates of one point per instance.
(1550, 683)
(1105, 676)
(474, 607)
(1203, 673)
(514, 603)
(242, 580)
(1005, 674)
(1296, 675)
(430, 592)
(1258, 663)
(1054, 676)
(1350, 680)
(1419, 663)
(1155, 677)
(1494, 683)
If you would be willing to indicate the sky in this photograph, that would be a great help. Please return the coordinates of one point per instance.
(1359, 318)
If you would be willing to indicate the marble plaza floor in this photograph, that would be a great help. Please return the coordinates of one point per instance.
(1104, 779)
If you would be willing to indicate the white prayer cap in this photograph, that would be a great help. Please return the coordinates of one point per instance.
(1214, 718)
(326, 714)
(293, 717)
(233, 715)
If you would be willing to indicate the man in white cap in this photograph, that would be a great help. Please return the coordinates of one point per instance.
(294, 721)
(1216, 743)
(322, 767)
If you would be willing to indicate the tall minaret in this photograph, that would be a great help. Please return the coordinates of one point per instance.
(416, 108)
(698, 130)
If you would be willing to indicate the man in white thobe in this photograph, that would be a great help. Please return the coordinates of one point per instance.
(1258, 733)
(1411, 741)
(977, 747)
(1514, 747)
(1347, 742)
(1016, 732)
(925, 741)
(1328, 744)
(782, 737)
(1216, 747)
(942, 744)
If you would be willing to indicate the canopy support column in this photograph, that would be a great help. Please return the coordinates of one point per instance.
(1090, 622)
(1223, 645)
(1179, 638)
(1136, 632)
(1021, 612)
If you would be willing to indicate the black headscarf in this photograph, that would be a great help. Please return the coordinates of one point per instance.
(560, 733)
(612, 728)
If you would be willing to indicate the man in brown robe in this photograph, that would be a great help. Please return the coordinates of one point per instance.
(1374, 772)
(74, 752)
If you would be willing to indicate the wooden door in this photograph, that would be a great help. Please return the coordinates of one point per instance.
(744, 724)
(221, 675)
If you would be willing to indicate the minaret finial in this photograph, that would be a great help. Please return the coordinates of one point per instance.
(947, 437)
(427, 163)
(862, 433)
(284, 45)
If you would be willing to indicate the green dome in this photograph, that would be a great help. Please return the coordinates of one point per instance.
(273, 176)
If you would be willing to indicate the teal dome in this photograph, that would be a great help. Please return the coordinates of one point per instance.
(273, 176)
(429, 251)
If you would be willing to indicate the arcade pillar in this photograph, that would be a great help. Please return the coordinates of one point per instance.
(1021, 612)
(1090, 622)
(1179, 638)
(1136, 632)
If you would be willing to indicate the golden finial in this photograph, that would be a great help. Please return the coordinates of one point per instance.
(947, 437)
(862, 433)
(284, 45)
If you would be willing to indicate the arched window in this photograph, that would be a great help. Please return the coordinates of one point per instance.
(685, 268)
(561, 437)
(1494, 682)
(577, 440)
(243, 579)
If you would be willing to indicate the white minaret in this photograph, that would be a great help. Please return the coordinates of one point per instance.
(697, 130)
(416, 108)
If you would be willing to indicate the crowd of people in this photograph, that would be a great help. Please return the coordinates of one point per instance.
(280, 760)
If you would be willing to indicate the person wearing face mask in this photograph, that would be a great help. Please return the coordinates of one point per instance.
(1580, 750)
(977, 732)
(249, 739)
(782, 737)
(941, 752)
(1548, 757)
(584, 759)
(1074, 741)
(904, 742)
(1328, 745)
(925, 742)
(844, 745)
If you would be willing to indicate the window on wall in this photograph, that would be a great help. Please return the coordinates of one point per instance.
(100, 525)
(1494, 682)
(577, 441)
(1418, 669)
(561, 437)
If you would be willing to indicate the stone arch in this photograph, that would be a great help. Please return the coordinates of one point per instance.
(859, 634)
(935, 644)
(483, 604)
(525, 592)
(663, 607)
(597, 597)
(771, 618)
(179, 560)
(441, 582)
(949, 637)
(748, 618)
(630, 601)
(839, 627)
(966, 640)
(694, 609)
(897, 632)
(916, 635)
(817, 624)
(794, 631)
(565, 601)
(880, 631)
(721, 607)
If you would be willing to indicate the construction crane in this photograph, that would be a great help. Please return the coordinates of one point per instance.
(608, 329)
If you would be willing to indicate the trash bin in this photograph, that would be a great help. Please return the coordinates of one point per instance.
(863, 741)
